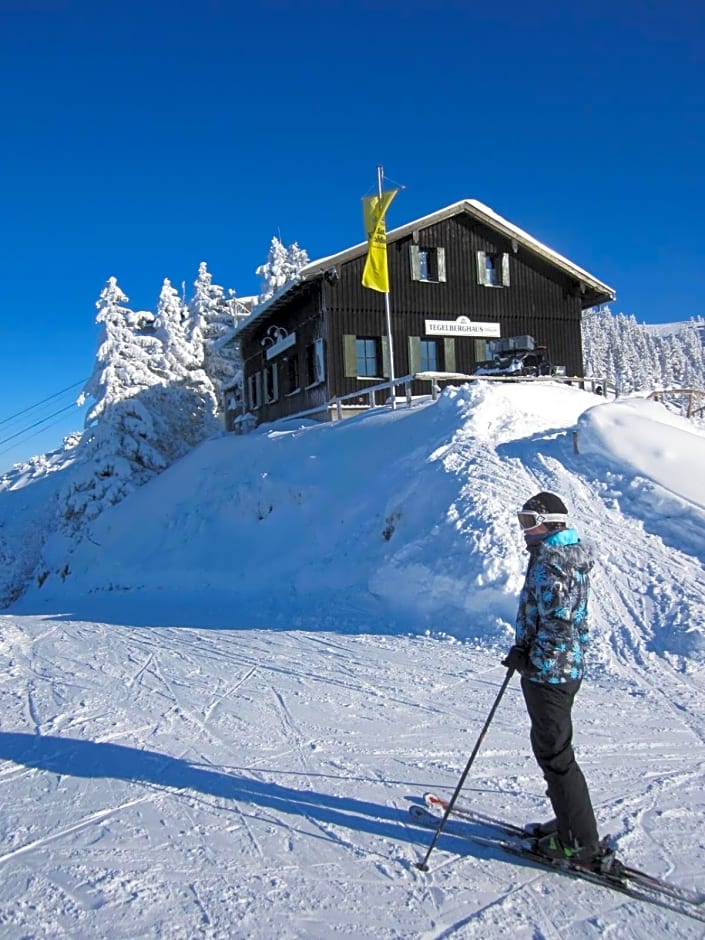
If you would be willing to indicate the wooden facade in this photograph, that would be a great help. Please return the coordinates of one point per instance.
(457, 277)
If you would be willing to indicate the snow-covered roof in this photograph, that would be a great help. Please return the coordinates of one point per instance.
(484, 214)
(472, 207)
(268, 304)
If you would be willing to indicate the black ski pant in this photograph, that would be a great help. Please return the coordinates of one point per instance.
(550, 708)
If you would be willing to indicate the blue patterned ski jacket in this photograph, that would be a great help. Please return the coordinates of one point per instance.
(552, 619)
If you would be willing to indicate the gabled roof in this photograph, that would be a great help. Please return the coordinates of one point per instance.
(595, 290)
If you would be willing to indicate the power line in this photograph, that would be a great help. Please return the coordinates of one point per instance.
(42, 402)
(29, 437)
(36, 424)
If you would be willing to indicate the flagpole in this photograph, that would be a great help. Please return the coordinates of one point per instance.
(387, 309)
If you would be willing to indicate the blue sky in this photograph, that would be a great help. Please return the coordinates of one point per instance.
(140, 138)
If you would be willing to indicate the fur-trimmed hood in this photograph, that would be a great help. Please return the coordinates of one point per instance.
(565, 545)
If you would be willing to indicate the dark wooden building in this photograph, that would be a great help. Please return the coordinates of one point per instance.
(459, 278)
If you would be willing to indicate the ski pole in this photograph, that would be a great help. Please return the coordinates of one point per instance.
(423, 866)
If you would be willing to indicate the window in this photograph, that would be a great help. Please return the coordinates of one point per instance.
(271, 383)
(493, 269)
(310, 365)
(431, 355)
(367, 355)
(482, 352)
(430, 360)
(491, 273)
(254, 391)
(292, 372)
(427, 264)
(315, 363)
(233, 397)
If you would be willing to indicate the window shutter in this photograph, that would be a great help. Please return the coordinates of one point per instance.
(415, 265)
(441, 263)
(505, 270)
(349, 356)
(449, 354)
(385, 358)
(258, 389)
(414, 354)
(320, 360)
(481, 268)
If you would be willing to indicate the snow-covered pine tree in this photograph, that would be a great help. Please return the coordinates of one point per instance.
(693, 337)
(121, 443)
(296, 259)
(122, 365)
(634, 357)
(666, 375)
(187, 400)
(594, 343)
(641, 360)
(210, 320)
(282, 266)
(676, 359)
(272, 272)
(170, 329)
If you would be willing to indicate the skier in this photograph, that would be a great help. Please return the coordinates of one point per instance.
(551, 635)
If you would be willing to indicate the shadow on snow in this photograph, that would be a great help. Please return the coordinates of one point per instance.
(77, 758)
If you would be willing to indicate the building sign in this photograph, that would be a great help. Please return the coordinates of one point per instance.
(277, 340)
(463, 326)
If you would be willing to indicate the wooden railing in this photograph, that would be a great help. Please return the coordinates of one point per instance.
(367, 398)
(692, 394)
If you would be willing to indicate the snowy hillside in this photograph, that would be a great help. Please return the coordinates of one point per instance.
(218, 707)
(671, 329)
(400, 520)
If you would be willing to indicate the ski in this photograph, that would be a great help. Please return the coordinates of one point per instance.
(514, 840)
(438, 805)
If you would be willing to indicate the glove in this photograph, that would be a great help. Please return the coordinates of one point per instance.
(517, 659)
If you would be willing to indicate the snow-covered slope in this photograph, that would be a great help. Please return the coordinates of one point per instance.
(402, 520)
(671, 329)
(28, 510)
(218, 707)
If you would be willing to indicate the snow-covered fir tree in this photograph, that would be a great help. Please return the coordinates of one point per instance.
(178, 354)
(120, 444)
(634, 357)
(125, 357)
(210, 321)
(694, 351)
(282, 266)
(296, 259)
(186, 401)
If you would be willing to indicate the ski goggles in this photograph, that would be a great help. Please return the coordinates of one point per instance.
(529, 519)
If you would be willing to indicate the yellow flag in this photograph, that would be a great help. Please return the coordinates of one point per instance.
(375, 274)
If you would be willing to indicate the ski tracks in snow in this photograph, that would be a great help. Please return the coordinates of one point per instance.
(255, 784)
(90, 820)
